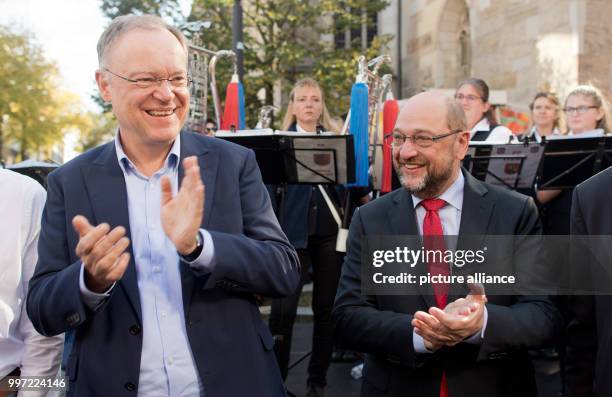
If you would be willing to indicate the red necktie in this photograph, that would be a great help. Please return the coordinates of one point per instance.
(433, 240)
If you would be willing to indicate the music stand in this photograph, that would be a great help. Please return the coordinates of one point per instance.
(286, 157)
(569, 161)
(298, 157)
(511, 165)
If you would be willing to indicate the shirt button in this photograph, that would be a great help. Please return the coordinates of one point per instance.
(170, 360)
(130, 386)
(156, 269)
(163, 313)
(152, 227)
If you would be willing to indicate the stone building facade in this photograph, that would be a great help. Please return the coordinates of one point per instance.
(520, 46)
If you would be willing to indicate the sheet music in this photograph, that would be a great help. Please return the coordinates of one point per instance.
(504, 168)
(508, 169)
(315, 153)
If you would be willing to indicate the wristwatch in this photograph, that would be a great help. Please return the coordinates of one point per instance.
(193, 255)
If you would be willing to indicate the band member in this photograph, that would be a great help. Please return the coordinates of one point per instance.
(587, 115)
(546, 117)
(417, 344)
(307, 220)
(156, 280)
(473, 95)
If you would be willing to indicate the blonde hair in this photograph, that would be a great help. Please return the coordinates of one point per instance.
(592, 92)
(558, 121)
(324, 120)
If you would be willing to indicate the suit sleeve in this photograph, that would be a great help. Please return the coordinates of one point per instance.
(54, 302)
(581, 328)
(530, 321)
(260, 260)
(360, 325)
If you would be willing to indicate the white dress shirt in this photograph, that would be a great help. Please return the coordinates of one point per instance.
(534, 134)
(500, 134)
(21, 204)
(167, 366)
(450, 217)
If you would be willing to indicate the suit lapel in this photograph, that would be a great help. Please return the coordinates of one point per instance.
(402, 217)
(208, 161)
(475, 218)
(104, 179)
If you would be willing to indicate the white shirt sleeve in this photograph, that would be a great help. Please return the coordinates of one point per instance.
(42, 354)
(92, 300)
(419, 344)
(205, 263)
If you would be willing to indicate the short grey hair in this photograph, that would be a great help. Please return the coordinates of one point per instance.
(455, 116)
(124, 23)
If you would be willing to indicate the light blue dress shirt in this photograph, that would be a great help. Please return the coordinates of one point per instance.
(167, 366)
(450, 217)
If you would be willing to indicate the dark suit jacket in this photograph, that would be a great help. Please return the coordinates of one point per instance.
(589, 331)
(379, 325)
(231, 345)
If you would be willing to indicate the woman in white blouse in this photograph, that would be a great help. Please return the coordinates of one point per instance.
(587, 115)
(586, 112)
(473, 95)
(546, 115)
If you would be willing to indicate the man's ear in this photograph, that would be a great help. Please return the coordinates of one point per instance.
(103, 85)
(463, 142)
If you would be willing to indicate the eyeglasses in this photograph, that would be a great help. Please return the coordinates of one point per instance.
(469, 98)
(579, 109)
(150, 82)
(421, 140)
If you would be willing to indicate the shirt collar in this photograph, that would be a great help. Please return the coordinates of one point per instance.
(588, 134)
(453, 195)
(171, 161)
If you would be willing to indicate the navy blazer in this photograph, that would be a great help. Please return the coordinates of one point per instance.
(231, 345)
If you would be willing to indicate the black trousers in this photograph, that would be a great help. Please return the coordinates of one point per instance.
(326, 266)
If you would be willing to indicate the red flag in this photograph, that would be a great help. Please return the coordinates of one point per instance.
(231, 111)
(390, 111)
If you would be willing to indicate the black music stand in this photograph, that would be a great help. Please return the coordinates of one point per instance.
(512, 165)
(569, 161)
(299, 158)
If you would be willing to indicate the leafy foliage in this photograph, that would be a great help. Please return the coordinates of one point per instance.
(290, 39)
(35, 112)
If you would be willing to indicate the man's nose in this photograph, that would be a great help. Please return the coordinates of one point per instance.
(164, 90)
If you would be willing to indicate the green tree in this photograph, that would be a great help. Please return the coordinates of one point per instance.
(35, 113)
(283, 42)
(100, 128)
(166, 8)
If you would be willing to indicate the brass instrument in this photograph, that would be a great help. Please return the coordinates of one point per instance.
(213, 79)
(198, 70)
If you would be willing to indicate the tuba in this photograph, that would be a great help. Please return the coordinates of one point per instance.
(198, 70)
(377, 88)
(213, 79)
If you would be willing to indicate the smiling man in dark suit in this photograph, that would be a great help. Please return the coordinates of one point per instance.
(157, 281)
(417, 345)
